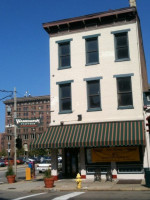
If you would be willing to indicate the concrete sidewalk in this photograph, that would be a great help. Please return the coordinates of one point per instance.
(37, 185)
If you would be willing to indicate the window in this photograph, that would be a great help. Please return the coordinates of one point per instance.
(25, 108)
(65, 97)
(124, 92)
(148, 97)
(64, 55)
(92, 56)
(32, 136)
(121, 46)
(93, 93)
(26, 137)
(9, 137)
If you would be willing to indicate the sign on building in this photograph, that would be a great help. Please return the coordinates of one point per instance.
(25, 123)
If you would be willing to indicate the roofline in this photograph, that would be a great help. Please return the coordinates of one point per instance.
(28, 99)
(90, 16)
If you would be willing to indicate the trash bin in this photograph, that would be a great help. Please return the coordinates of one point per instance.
(147, 176)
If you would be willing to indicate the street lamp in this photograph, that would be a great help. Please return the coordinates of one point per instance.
(15, 131)
(8, 150)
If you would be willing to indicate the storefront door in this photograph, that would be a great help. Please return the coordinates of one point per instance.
(71, 162)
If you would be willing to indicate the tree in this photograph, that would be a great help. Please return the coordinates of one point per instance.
(20, 152)
(3, 153)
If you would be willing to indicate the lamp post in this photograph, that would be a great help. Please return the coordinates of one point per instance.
(15, 132)
(8, 151)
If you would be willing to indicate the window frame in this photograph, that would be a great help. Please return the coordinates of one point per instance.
(64, 83)
(61, 42)
(89, 38)
(124, 92)
(115, 33)
(90, 109)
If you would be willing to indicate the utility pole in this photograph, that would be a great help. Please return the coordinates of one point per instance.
(15, 132)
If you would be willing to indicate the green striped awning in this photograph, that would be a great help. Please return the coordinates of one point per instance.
(128, 133)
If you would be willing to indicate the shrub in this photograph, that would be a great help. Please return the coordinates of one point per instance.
(9, 171)
(47, 174)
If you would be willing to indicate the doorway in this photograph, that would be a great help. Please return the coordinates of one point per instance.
(71, 162)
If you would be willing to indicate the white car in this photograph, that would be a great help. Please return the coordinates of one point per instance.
(45, 165)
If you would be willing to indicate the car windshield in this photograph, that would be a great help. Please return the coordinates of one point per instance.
(45, 161)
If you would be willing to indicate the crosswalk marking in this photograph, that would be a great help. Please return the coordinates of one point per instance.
(68, 196)
(25, 197)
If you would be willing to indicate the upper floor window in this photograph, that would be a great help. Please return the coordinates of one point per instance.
(93, 95)
(91, 51)
(92, 54)
(65, 97)
(64, 54)
(124, 91)
(121, 45)
(65, 102)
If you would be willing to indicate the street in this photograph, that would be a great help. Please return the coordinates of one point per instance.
(20, 173)
(101, 195)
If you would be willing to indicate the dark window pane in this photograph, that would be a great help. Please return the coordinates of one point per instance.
(125, 99)
(64, 49)
(92, 57)
(121, 40)
(124, 84)
(121, 46)
(65, 61)
(65, 91)
(122, 53)
(91, 45)
(93, 87)
(66, 104)
(94, 102)
(93, 94)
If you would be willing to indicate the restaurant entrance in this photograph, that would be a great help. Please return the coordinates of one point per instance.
(71, 162)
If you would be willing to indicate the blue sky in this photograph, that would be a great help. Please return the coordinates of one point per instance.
(24, 44)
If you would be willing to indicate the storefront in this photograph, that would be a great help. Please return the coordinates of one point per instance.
(115, 146)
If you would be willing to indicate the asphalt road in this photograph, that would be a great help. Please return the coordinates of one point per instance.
(21, 173)
(102, 195)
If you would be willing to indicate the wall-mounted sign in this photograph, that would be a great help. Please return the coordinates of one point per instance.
(115, 154)
(25, 123)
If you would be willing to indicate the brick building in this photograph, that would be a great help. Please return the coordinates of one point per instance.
(1, 141)
(27, 108)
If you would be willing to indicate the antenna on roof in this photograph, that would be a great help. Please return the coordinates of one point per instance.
(27, 94)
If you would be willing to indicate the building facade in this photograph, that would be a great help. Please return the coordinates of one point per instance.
(29, 107)
(98, 76)
(1, 141)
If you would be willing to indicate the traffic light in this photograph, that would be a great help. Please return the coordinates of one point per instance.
(19, 143)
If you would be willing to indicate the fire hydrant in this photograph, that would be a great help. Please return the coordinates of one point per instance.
(78, 181)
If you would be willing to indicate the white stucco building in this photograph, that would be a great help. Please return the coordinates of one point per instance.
(97, 79)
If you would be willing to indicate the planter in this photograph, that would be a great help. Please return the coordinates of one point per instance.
(11, 179)
(49, 182)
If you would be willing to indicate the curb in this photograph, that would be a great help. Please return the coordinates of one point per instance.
(88, 189)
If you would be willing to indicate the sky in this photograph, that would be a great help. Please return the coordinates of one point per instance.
(24, 44)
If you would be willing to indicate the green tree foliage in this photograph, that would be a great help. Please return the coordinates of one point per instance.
(3, 153)
(20, 152)
(39, 152)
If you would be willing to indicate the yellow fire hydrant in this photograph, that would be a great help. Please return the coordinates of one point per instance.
(78, 181)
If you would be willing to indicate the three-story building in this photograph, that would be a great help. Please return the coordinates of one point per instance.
(98, 76)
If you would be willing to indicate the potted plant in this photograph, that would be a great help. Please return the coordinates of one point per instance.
(10, 175)
(48, 179)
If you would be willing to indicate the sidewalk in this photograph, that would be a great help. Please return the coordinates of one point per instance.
(37, 185)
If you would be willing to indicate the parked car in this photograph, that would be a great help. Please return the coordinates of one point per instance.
(19, 161)
(8, 160)
(2, 163)
(43, 166)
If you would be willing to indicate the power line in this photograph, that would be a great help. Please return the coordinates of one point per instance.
(6, 91)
